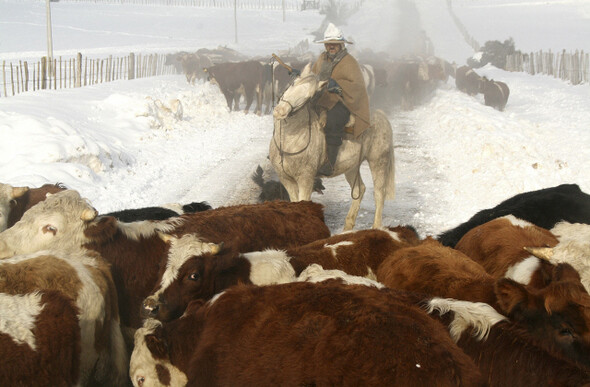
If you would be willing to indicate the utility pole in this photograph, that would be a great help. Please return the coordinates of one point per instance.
(49, 38)
(236, 19)
(283, 11)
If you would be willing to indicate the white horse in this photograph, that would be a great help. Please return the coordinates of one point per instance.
(298, 149)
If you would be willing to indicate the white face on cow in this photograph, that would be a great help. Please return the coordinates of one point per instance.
(58, 222)
(304, 87)
(144, 367)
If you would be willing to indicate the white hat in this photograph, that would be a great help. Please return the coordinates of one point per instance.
(333, 35)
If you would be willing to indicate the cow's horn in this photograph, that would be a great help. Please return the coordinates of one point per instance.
(545, 253)
(89, 214)
(216, 248)
(165, 237)
(17, 192)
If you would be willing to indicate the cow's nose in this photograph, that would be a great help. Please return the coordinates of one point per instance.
(149, 308)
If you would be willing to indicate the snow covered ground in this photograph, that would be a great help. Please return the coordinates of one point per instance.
(454, 156)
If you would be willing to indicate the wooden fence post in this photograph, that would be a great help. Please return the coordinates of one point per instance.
(26, 76)
(12, 78)
(78, 70)
(131, 67)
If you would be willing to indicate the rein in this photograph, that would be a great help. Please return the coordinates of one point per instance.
(280, 146)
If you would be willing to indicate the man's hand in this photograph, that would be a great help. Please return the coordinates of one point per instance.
(334, 87)
(294, 73)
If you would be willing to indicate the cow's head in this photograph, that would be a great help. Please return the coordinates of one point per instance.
(8, 195)
(182, 278)
(557, 316)
(150, 363)
(58, 222)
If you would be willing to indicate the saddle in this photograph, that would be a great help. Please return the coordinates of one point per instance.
(347, 128)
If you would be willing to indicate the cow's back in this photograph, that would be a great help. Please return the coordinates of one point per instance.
(253, 227)
(324, 334)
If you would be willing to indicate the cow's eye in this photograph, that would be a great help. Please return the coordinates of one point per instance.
(194, 277)
(49, 228)
(564, 331)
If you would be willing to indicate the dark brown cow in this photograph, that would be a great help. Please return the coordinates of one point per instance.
(31, 197)
(238, 78)
(506, 354)
(40, 340)
(192, 66)
(189, 277)
(408, 80)
(467, 80)
(498, 246)
(8, 196)
(495, 93)
(436, 270)
(136, 252)
(301, 334)
(557, 315)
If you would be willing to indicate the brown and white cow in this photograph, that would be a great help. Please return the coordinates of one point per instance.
(239, 78)
(57, 223)
(135, 251)
(188, 277)
(467, 80)
(39, 339)
(573, 248)
(8, 196)
(499, 246)
(301, 334)
(86, 280)
(14, 201)
(506, 354)
(495, 93)
(557, 315)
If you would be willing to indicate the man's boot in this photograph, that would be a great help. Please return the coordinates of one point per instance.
(327, 169)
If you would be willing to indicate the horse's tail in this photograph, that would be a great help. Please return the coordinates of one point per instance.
(257, 177)
(390, 176)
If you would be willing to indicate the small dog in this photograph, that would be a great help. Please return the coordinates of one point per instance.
(274, 190)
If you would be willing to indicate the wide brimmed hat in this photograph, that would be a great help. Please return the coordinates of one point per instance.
(333, 35)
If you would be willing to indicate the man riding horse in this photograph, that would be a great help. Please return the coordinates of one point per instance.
(345, 98)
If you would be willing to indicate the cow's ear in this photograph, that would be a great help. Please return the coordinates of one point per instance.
(510, 295)
(157, 347)
(102, 229)
(565, 272)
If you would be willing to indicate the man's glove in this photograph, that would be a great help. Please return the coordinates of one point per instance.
(334, 87)
(294, 73)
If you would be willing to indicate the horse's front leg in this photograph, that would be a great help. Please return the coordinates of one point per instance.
(357, 187)
(305, 188)
(291, 187)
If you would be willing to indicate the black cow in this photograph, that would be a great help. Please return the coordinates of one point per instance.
(467, 80)
(274, 190)
(157, 213)
(495, 93)
(543, 208)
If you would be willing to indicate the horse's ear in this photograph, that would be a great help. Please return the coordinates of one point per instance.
(306, 70)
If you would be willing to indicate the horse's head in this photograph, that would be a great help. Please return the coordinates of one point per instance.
(303, 88)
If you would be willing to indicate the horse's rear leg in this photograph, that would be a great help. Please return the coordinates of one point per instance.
(357, 187)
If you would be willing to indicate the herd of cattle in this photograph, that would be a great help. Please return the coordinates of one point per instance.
(263, 294)
(405, 82)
